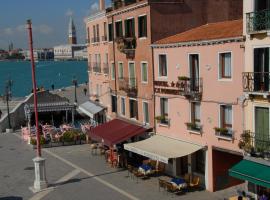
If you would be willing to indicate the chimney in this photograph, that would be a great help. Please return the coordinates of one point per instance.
(101, 5)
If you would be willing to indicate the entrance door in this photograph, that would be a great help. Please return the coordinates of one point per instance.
(194, 72)
(184, 165)
(261, 69)
(132, 80)
(261, 15)
(261, 127)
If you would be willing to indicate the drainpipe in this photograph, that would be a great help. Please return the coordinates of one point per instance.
(154, 94)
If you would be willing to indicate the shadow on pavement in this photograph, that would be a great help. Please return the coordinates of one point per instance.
(76, 180)
(11, 198)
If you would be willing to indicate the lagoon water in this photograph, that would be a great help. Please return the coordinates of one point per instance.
(59, 73)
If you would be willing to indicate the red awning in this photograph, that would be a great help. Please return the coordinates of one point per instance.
(115, 131)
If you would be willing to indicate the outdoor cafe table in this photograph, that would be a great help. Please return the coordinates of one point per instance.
(145, 169)
(179, 183)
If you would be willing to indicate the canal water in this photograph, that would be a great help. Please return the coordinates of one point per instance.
(58, 73)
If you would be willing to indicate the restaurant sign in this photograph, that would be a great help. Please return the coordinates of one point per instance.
(164, 87)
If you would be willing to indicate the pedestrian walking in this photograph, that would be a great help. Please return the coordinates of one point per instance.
(52, 86)
(85, 91)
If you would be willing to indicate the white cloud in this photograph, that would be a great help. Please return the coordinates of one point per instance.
(69, 12)
(94, 8)
(21, 28)
(8, 31)
(45, 29)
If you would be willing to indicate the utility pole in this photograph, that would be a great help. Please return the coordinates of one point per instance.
(8, 96)
(40, 182)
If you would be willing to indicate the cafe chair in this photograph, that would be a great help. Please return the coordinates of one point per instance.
(195, 182)
(161, 184)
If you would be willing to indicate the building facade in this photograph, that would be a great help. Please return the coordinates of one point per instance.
(193, 71)
(255, 140)
(132, 27)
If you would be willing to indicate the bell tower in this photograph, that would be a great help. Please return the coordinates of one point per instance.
(72, 39)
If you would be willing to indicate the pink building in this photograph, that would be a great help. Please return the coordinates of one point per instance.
(198, 108)
(98, 69)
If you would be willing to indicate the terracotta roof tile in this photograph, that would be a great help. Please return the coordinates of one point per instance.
(219, 30)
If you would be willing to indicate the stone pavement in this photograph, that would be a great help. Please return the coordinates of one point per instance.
(76, 174)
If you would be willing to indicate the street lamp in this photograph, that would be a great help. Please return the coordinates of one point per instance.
(40, 182)
(75, 83)
(9, 84)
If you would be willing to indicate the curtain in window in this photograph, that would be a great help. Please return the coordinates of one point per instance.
(197, 113)
(120, 69)
(144, 72)
(261, 125)
(164, 107)
(113, 71)
(227, 65)
(132, 80)
(162, 65)
(228, 115)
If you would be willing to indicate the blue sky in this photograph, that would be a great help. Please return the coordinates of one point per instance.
(50, 21)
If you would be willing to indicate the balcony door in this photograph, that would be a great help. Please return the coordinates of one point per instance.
(194, 72)
(261, 5)
(261, 69)
(131, 71)
(261, 127)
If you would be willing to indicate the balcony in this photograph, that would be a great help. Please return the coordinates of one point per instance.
(258, 21)
(127, 45)
(121, 3)
(105, 68)
(193, 127)
(96, 67)
(104, 38)
(255, 145)
(95, 40)
(256, 82)
(191, 88)
(128, 85)
(224, 133)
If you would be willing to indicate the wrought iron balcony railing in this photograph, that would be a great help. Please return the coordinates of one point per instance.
(255, 144)
(127, 45)
(191, 87)
(258, 21)
(105, 68)
(256, 82)
(97, 67)
(129, 85)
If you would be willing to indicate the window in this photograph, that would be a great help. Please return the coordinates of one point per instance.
(118, 29)
(114, 103)
(225, 70)
(132, 74)
(195, 114)
(105, 31)
(129, 28)
(200, 161)
(144, 71)
(97, 27)
(133, 108)
(162, 65)
(226, 116)
(142, 26)
(120, 70)
(164, 110)
(88, 35)
(110, 32)
(113, 71)
(94, 34)
(123, 106)
(145, 113)
(97, 91)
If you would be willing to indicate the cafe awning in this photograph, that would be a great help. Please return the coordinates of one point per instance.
(90, 108)
(116, 131)
(162, 148)
(253, 172)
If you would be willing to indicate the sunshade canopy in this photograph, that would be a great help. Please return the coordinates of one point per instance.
(253, 172)
(90, 108)
(162, 148)
(115, 132)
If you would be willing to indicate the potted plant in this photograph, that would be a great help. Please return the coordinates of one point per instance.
(193, 126)
(221, 131)
(70, 137)
(160, 118)
(33, 141)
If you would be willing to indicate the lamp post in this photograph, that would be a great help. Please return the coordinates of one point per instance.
(75, 83)
(40, 182)
(9, 83)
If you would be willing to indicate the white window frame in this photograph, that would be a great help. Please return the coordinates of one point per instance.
(142, 15)
(121, 98)
(163, 77)
(133, 99)
(108, 32)
(134, 71)
(219, 113)
(120, 62)
(142, 81)
(112, 77)
(190, 109)
(143, 102)
(219, 77)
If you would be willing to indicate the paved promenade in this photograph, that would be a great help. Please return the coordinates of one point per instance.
(74, 174)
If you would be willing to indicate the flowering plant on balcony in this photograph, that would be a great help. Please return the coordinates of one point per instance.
(223, 132)
(163, 119)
